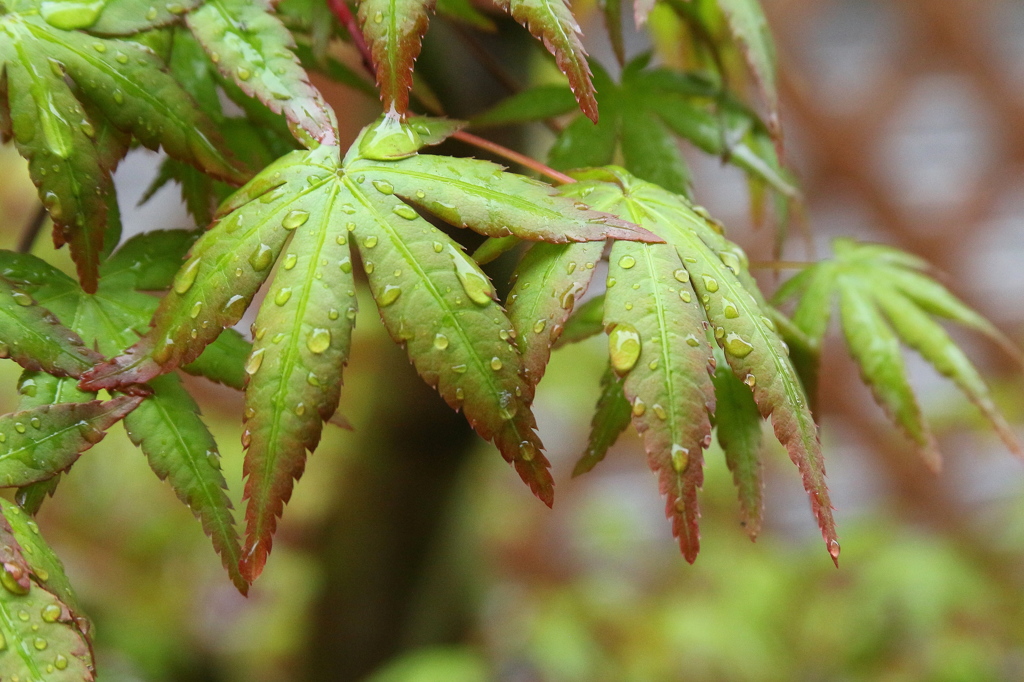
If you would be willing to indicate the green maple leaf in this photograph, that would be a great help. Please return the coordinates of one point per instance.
(45, 635)
(72, 101)
(164, 423)
(887, 298)
(665, 305)
(308, 210)
(641, 116)
(394, 31)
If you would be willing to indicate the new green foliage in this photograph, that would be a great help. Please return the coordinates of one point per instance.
(887, 298)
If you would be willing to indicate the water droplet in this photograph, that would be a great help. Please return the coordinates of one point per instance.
(72, 15)
(35, 422)
(300, 409)
(833, 549)
(459, 369)
(388, 295)
(681, 275)
(653, 364)
(568, 298)
(350, 313)
(685, 295)
(261, 258)
(474, 282)
(659, 411)
(39, 643)
(496, 363)
(538, 326)
(50, 613)
(626, 262)
(438, 247)
(624, 347)
(197, 308)
(730, 310)
(243, 73)
(610, 282)
(319, 340)
(21, 299)
(750, 380)
(61, 662)
(460, 394)
(737, 346)
(28, 387)
(527, 451)
(23, 616)
(333, 314)
(571, 268)
(19, 427)
(731, 261)
(370, 242)
(187, 276)
(440, 341)
(234, 306)
(404, 211)
(692, 340)
(118, 97)
(384, 187)
(680, 458)
(346, 265)
(710, 283)
(639, 407)
(294, 219)
(255, 360)
(283, 294)
(378, 17)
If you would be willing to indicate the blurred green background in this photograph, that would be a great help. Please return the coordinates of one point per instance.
(411, 553)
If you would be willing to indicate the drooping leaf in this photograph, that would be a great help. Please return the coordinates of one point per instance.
(34, 338)
(886, 297)
(656, 341)
(73, 101)
(611, 417)
(309, 206)
(703, 269)
(749, 28)
(535, 104)
(180, 450)
(40, 632)
(550, 279)
(303, 333)
(738, 427)
(250, 46)
(394, 30)
(552, 22)
(40, 442)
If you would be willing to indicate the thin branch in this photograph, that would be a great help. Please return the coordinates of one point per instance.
(348, 20)
(28, 237)
(513, 156)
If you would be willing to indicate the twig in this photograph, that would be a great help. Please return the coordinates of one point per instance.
(28, 237)
(513, 156)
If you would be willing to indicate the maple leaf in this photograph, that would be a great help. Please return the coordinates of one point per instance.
(313, 208)
(40, 622)
(886, 298)
(164, 422)
(72, 102)
(640, 117)
(664, 306)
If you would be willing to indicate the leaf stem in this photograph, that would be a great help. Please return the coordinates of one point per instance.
(513, 156)
(348, 20)
(28, 237)
(780, 265)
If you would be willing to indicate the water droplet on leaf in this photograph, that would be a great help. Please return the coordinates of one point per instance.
(624, 348)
